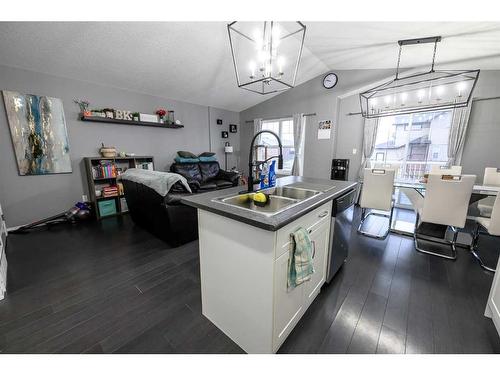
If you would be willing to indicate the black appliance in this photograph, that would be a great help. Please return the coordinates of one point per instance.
(340, 232)
(340, 169)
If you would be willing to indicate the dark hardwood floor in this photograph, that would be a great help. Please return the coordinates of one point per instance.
(111, 287)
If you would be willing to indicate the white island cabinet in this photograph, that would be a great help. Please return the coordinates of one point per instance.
(244, 277)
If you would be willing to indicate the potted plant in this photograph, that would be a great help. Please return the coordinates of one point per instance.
(161, 114)
(84, 107)
(135, 116)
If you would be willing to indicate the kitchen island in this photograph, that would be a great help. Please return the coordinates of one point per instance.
(244, 252)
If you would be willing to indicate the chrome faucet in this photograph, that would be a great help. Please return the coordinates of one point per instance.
(252, 164)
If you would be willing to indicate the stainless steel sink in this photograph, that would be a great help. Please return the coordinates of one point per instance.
(290, 192)
(280, 199)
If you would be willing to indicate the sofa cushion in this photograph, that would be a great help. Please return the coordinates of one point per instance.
(206, 154)
(223, 184)
(208, 185)
(187, 154)
(209, 171)
(189, 171)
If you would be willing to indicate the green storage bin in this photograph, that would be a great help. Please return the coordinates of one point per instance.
(107, 207)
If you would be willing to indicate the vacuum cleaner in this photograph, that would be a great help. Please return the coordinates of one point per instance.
(79, 212)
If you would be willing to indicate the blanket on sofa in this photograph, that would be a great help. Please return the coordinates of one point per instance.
(161, 182)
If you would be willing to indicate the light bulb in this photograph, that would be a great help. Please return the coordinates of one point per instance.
(421, 94)
(281, 63)
(404, 95)
(268, 70)
(439, 92)
(251, 65)
(461, 88)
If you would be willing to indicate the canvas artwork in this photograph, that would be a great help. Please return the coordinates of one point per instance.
(39, 135)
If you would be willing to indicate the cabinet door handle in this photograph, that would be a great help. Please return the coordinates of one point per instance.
(323, 214)
(314, 249)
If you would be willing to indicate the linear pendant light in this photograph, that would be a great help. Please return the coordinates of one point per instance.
(266, 54)
(420, 92)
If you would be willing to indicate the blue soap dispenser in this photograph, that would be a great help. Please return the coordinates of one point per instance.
(272, 174)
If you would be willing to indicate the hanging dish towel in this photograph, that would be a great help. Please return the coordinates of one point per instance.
(300, 264)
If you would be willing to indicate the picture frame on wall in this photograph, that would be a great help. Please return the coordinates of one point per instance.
(225, 134)
(219, 121)
(233, 128)
(39, 135)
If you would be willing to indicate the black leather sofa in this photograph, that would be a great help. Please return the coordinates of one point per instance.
(205, 176)
(166, 217)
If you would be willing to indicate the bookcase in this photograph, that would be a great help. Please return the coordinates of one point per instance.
(3, 258)
(105, 192)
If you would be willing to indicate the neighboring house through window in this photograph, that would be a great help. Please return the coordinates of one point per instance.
(412, 143)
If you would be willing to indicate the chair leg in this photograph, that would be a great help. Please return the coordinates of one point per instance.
(368, 234)
(473, 249)
(452, 243)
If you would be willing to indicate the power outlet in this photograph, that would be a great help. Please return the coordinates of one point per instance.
(84, 198)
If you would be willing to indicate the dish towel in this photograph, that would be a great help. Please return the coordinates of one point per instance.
(300, 263)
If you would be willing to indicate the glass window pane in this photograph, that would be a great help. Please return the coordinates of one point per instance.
(411, 144)
(266, 138)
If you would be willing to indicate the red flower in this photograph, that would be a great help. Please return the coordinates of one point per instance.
(161, 112)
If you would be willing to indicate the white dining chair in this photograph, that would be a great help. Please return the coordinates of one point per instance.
(454, 170)
(491, 178)
(378, 187)
(488, 226)
(445, 203)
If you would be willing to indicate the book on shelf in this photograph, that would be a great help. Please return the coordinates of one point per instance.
(105, 169)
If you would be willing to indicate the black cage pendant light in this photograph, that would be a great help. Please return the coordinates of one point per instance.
(266, 54)
(420, 92)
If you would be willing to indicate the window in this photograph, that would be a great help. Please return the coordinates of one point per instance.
(413, 143)
(268, 145)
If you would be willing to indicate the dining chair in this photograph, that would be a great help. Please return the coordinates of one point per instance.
(488, 226)
(454, 170)
(445, 203)
(378, 187)
(491, 178)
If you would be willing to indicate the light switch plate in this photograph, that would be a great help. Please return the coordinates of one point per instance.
(354, 151)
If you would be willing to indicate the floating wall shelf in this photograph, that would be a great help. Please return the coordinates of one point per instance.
(128, 122)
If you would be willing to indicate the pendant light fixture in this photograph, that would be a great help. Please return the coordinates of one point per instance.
(420, 92)
(266, 54)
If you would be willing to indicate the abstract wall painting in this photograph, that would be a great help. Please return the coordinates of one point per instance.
(39, 135)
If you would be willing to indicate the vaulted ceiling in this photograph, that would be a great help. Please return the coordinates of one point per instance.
(191, 61)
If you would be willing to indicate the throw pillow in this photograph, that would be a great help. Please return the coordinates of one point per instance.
(186, 154)
(206, 154)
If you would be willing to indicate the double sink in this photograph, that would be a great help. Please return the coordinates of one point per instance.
(280, 199)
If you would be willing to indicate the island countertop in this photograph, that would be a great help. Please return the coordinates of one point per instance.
(330, 189)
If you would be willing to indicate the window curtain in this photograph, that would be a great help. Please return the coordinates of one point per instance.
(369, 139)
(257, 127)
(299, 123)
(458, 129)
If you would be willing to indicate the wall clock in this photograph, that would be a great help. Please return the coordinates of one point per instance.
(330, 80)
